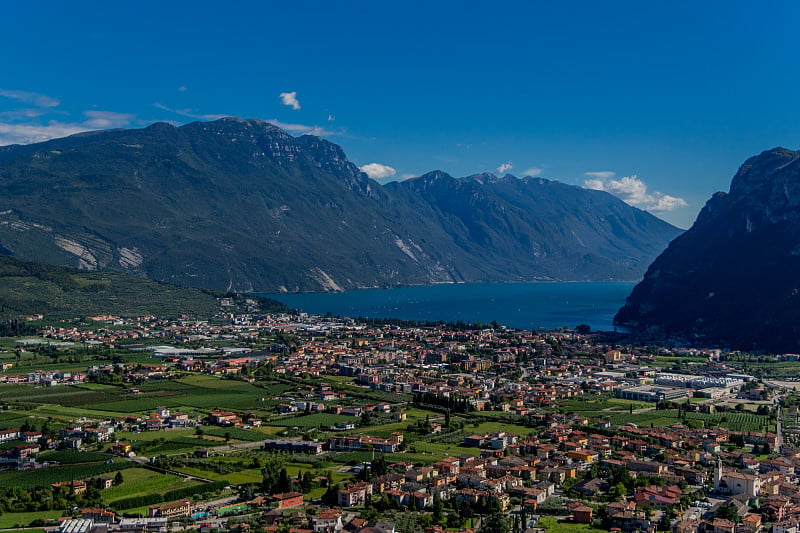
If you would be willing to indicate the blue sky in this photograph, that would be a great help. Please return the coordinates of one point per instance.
(657, 102)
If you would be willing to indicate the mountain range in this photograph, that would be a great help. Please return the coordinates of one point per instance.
(732, 278)
(241, 205)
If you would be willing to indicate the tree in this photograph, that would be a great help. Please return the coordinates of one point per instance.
(284, 482)
(331, 496)
(495, 523)
(379, 466)
(617, 491)
(271, 471)
(729, 512)
(118, 479)
(305, 481)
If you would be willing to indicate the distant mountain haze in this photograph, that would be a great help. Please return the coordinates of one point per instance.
(241, 205)
(733, 279)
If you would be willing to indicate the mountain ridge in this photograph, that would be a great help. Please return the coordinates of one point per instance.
(730, 280)
(241, 205)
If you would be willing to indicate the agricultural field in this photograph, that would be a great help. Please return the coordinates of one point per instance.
(771, 369)
(66, 457)
(47, 476)
(735, 421)
(195, 394)
(670, 360)
(314, 420)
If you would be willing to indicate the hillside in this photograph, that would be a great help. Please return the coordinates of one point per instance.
(27, 288)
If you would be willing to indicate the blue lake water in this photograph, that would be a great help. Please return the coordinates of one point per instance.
(518, 305)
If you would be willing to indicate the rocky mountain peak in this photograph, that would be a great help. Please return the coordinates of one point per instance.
(767, 170)
(484, 177)
(731, 278)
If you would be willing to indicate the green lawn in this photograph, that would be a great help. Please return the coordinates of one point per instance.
(10, 520)
(588, 405)
(249, 475)
(491, 427)
(313, 420)
(442, 450)
(551, 525)
(140, 481)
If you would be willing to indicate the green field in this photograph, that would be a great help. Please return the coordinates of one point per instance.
(551, 525)
(235, 434)
(589, 405)
(774, 369)
(13, 520)
(735, 421)
(236, 477)
(46, 476)
(196, 394)
(72, 457)
(321, 420)
(140, 481)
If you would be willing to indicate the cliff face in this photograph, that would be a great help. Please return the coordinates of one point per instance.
(733, 279)
(242, 205)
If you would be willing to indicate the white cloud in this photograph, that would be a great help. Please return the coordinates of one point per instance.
(604, 175)
(533, 172)
(25, 132)
(404, 177)
(377, 171)
(34, 133)
(189, 113)
(290, 99)
(505, 167)
(103, 120)
(26, 113)
(39, 100)
(301, 129)
(183, 88)
(633, 191)
(298, 129)
(665, 202)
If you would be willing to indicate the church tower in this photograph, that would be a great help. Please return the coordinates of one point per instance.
(718, 473)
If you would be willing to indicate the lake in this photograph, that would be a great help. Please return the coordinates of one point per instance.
(518, 305)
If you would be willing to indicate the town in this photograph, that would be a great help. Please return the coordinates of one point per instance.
(292, 423)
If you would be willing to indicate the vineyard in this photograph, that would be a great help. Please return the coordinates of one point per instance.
(47, 476)
(735, 421)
